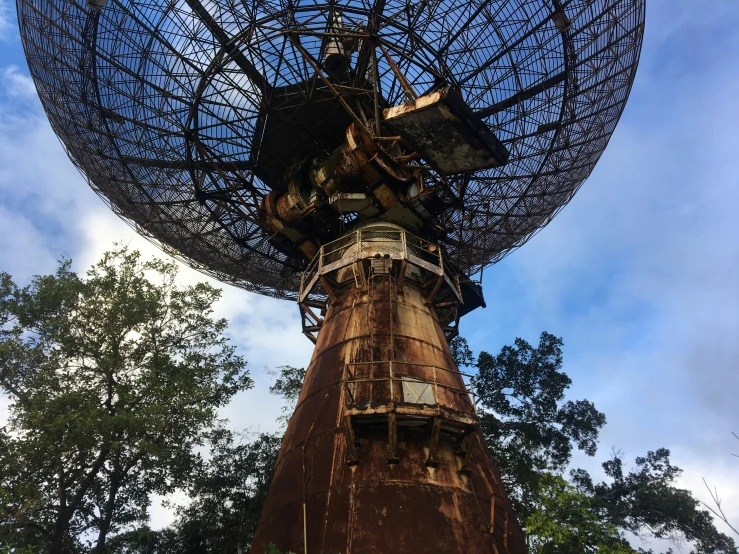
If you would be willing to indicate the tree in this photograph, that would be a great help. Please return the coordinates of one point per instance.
(715, 507)
(288, 383)
(528, 425)
(646, 500)
(230, 486)
(228, 492)
(532, 431)
(114, 378)
(17, 502)
(565, 521)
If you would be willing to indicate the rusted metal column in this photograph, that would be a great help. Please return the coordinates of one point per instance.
(383, 453)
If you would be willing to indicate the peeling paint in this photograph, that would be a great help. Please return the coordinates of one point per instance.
(451, 504)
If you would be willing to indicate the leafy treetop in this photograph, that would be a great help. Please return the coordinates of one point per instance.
(113, 379)
(529, 426)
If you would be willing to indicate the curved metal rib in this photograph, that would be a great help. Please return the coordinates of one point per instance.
(183, 114)
(229, 46)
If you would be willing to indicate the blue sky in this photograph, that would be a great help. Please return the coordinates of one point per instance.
(639, 274)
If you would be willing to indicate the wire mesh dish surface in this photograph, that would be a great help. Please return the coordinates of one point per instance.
(184, 114)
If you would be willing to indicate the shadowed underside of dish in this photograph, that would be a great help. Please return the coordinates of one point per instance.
(185, 115)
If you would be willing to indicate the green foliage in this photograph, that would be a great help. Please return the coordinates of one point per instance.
(144, 540)
(529, 426)
(646, 498)
(114, 378)
(272, 549)
(288, 384)
(564, 521)
(461, 353)
(13, 549)
(18, 501)
(532, 431)
(228, 491)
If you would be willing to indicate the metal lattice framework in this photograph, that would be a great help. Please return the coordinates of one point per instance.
(184, 114)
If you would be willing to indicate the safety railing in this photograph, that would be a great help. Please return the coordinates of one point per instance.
(393, 244)
(389, 382)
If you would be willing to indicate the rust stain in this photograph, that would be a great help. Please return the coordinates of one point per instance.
(398, 502)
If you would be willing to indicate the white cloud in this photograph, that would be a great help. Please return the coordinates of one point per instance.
(16, 83)
(720, 473)
(5, 20)
(18, 238)
(47, 211)
(638, 273)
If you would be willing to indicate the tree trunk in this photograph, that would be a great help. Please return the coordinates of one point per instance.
(107, 514)
(61, 529)
(67, 510)
(61, 525)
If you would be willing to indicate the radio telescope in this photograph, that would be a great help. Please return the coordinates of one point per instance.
(368, 159)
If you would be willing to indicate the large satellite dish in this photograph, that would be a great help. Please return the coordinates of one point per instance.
(369, 158)
(185, 115)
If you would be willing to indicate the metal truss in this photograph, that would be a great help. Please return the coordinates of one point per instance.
(183, 115)
(358, 257)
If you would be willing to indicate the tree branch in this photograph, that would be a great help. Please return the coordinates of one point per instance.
(718, 512)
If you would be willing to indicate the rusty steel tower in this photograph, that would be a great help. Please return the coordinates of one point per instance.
(367, 158)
